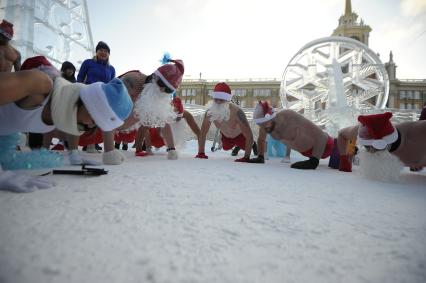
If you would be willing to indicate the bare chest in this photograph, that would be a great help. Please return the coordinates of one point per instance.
(229, 128)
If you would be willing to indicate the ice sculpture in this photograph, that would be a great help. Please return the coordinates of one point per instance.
(57, 29)
(332, 80)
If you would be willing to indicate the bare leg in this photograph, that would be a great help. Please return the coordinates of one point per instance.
(286, 158)
(140, 137)
(191, 123)
(168, 136)
(108, 141)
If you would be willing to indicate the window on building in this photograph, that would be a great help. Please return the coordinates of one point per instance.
(416, 94)
(409, 106)
(239, 92)
(243, 103)
(402, 106)
(409, 95)
(262, 92)
(402, 94)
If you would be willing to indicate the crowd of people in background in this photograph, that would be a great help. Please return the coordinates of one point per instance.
(94, 107)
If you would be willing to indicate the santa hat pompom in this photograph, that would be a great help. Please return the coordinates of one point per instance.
(166, 58)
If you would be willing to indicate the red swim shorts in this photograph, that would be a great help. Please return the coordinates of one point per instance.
(125, 137)
(229, 143)
(90, 137)
(327, 151)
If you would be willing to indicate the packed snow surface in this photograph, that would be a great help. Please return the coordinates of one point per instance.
(191, 220)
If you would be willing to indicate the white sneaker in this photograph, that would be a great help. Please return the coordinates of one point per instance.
(172, 154)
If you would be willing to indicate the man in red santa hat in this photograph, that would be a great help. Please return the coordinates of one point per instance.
(9, 56)
(385, 145)
(153, 107)
(230, 119)
(295, 131)
(178, 128)
(151, 96)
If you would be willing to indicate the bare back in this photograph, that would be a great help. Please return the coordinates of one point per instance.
(9, 57)
(298, 132)
(412, 150)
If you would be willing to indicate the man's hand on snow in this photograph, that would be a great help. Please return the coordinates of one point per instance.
(345, 164)
(113, 157)
(201, 155)
(243, 159)
(76, 159)
(312, 163)
(259, 159)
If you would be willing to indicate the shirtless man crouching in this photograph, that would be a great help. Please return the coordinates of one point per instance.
(230, 120)
(295, 131)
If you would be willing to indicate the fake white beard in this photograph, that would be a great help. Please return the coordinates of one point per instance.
(153, 107)
(133, 127)
(218, 111)
(380, 165)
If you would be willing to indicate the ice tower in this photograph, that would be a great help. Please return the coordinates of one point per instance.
(57, 29)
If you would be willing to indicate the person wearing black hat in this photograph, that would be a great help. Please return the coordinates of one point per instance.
(68, 71)
(97, 69)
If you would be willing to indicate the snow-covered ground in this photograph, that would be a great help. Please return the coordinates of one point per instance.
(192, 220)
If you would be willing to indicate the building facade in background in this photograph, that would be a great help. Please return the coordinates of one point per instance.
(404, 94)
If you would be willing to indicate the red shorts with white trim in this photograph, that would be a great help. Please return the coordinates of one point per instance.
(229, 143)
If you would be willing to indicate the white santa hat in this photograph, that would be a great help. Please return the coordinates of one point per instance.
(263, 112)
(376, 130)
(222, 91)
(108, 104)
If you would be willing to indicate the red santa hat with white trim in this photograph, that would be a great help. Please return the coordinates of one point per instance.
(6, 29)
(263, 112)
(376, 130)
(171, 74)
(222, 91)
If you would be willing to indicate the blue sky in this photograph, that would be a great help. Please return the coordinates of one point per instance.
(238, 39)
